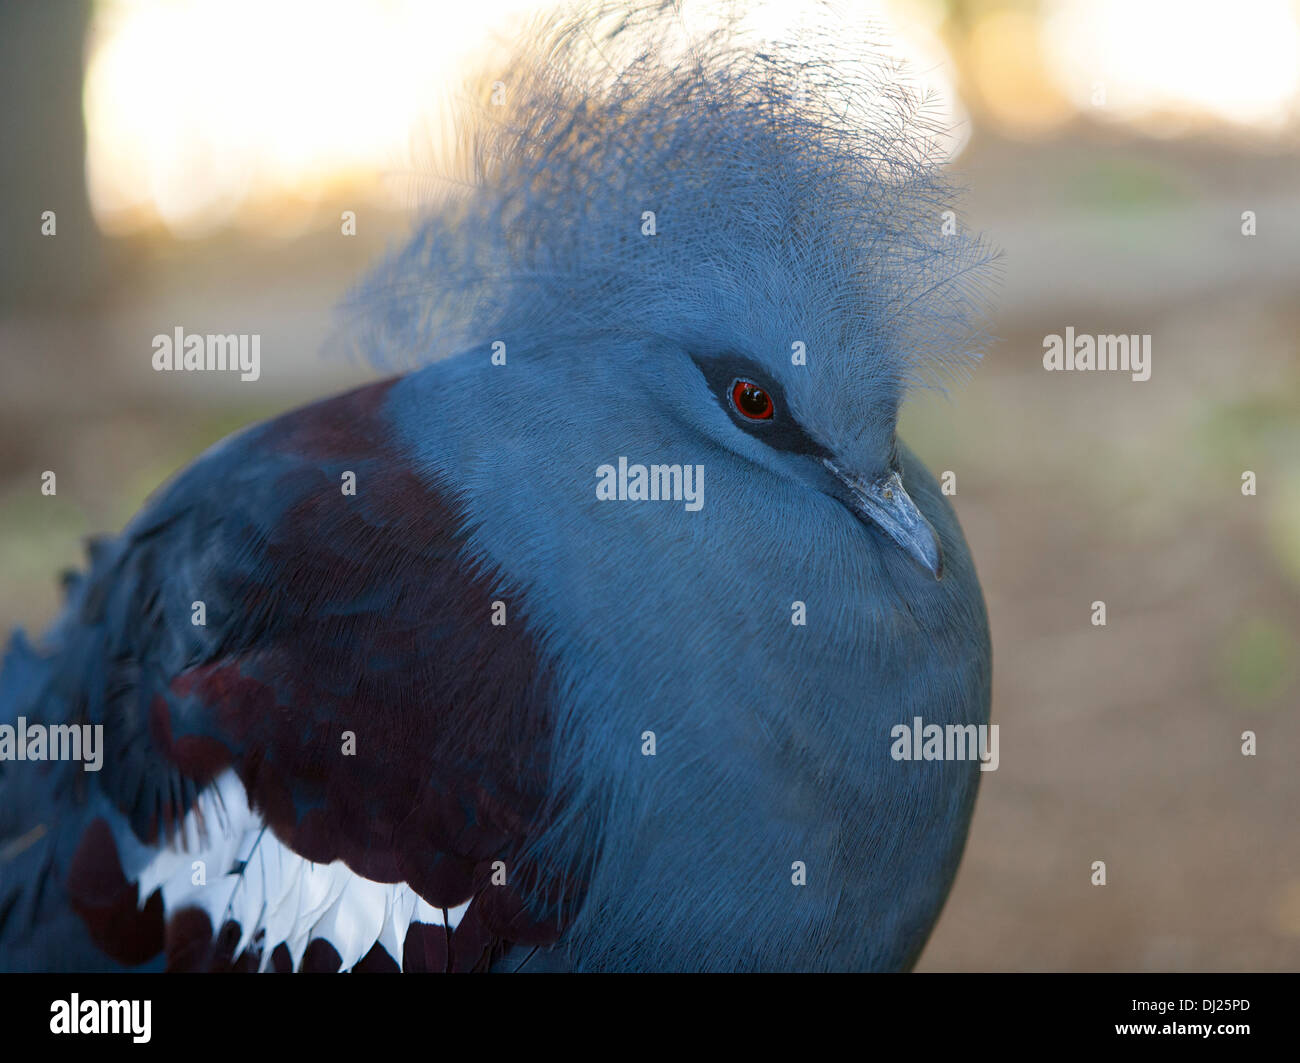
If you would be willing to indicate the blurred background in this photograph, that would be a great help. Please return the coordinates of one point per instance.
(198, 157)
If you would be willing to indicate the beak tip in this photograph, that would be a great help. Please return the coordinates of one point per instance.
(886, 504)
(933, 561)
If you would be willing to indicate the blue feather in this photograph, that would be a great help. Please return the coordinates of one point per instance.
(797, 192)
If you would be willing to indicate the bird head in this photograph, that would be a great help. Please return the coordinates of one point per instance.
(695, 238)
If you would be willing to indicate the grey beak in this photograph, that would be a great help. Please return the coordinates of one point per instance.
(888, 506)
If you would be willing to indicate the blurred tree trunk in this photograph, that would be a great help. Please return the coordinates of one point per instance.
(43, 156)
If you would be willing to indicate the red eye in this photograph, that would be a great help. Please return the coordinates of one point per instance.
(752, 401)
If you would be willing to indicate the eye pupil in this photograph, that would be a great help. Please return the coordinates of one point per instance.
(751, 400)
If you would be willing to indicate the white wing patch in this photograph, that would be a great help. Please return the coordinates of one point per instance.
(247, 875)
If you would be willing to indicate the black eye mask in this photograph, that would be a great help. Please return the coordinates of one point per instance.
(780, 431)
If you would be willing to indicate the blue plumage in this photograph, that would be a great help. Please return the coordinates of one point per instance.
(596, 721)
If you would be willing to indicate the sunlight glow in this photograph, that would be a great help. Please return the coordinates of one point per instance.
(203, 113)
(194, 108)
(1178, 60)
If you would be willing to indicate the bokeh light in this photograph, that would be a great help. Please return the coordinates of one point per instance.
(1172, 62)
(272, 103)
